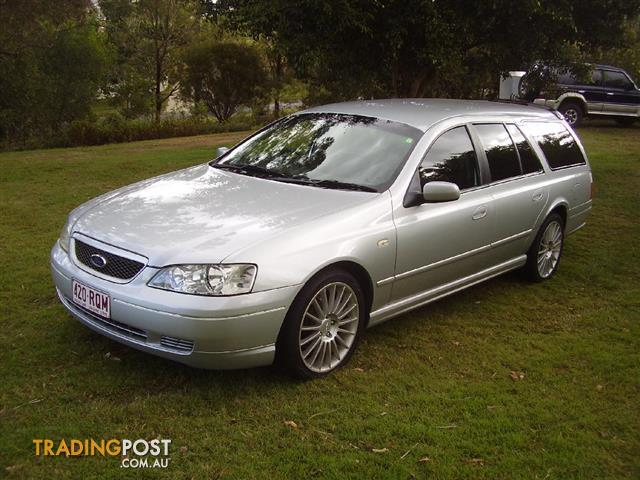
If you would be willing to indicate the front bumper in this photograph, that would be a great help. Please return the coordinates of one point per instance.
(205, 332)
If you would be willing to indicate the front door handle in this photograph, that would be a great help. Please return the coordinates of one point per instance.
(480, 212)
(610, 93)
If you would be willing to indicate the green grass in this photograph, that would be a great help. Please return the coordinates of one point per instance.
(433, 383)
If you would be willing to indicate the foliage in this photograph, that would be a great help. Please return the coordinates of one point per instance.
(115, 128)
(624, 55)
(223, 75)
(53, 62)
(424, 48)
(149, 37)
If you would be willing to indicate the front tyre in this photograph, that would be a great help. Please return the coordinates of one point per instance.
(323, 326)
(545, 252)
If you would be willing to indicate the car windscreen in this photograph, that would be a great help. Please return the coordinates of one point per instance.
(327, 147)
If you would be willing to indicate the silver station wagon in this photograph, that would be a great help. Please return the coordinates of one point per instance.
(289, 245)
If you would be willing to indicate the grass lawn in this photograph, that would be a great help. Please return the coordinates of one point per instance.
(428, 395)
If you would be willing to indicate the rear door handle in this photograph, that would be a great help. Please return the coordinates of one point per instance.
(537, 196)
(480, 212)
(610, 93)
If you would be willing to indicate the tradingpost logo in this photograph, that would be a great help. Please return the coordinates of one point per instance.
(138, 453)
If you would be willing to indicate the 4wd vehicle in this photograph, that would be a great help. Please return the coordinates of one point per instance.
(324, 223)
(606, 92)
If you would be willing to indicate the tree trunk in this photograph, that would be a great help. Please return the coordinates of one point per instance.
(158, 91)
(278, 78)
(158, 62)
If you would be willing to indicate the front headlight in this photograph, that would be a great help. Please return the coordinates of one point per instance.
(65, 235)
(218, 280)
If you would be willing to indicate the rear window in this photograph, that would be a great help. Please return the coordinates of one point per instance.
(528, 158)
(557, 144)
(501, 153)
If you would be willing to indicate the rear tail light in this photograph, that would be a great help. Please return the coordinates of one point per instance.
(592, 187)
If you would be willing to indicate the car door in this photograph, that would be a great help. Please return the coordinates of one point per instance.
(441, 242)
(593, 92)
(516, 187)
(622, 96)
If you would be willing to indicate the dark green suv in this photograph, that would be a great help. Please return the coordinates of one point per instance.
(606, 92)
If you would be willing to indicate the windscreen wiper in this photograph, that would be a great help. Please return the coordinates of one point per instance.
(300, 180)
(334, 184)
(248, 170)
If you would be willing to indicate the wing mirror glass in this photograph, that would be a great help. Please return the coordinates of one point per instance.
(440, 192)
(221, 151)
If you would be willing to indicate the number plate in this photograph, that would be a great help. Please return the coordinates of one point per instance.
(91, 299)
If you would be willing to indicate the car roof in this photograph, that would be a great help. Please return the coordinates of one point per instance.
(608, 67)
(422, 113)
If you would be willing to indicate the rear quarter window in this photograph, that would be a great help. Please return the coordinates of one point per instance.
(556, 142)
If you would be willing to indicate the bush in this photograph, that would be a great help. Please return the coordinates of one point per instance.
(114, 128)
(224, 75)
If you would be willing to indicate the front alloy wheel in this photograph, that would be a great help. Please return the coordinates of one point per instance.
(329, 327)
(323, 326)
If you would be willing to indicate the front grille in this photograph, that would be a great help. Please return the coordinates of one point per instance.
(115, 266)
(177, 343)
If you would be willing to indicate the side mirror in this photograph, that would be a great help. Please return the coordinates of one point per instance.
(440, 192)
(221, 151)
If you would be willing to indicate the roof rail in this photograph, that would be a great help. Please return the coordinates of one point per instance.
(531, 104)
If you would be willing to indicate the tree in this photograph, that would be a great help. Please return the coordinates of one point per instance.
(224, 75)
(149, 36)
(626, 54)
(53, 59)
(354, 48)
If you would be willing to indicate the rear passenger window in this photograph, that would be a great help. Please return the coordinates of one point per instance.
(501, 153)
(451, 158)
(557, 144)
(528, 158)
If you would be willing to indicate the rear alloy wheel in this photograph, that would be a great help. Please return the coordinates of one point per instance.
(572, 113)
(323, 326)
(544, 254)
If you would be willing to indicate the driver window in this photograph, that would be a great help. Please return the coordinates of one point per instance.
(451, 158)
(616, 80)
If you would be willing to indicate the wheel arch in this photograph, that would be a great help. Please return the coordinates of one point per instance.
(561, 207)
(358, 271)
(573, 98)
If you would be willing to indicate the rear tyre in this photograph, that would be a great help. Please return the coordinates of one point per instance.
(625, 121)
(544, 255)
(572, 113)
(323, 326)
